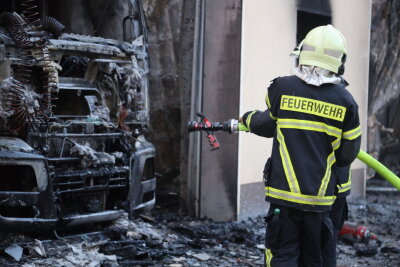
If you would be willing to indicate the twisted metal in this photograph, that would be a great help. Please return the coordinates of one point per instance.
(23, 70)
(23, 104)
(29, 106)
(31, 13)
(14, 96)
(49, 75)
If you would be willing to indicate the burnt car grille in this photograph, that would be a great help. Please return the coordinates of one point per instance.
(74, 181)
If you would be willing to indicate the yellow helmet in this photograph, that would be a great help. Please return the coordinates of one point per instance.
(324, 47)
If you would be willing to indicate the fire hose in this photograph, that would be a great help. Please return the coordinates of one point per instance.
(381, 169)
(234, 126)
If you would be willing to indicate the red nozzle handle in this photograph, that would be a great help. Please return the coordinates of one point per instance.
(213, 141)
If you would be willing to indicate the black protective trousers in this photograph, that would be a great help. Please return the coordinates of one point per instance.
(296, 237)
(338, 215)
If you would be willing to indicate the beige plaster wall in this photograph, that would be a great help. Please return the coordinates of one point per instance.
(267, 41)
(353, 19)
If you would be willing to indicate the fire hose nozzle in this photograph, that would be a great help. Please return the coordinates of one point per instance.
(193, 126)
(230, 126)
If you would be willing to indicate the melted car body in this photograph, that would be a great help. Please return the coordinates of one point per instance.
(74, 115)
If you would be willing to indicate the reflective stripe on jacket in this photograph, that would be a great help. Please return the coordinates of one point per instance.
(343, 175)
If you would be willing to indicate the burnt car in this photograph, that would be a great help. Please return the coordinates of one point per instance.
(73, 120)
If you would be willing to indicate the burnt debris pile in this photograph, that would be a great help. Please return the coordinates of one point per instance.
(149, 241)
(181, 241)
(378, 218)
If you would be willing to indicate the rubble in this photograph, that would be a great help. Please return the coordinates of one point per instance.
(390, 249)
(74, 256)
(183, 241)
(38, 249)
(167, 238)
(380, 214)
(366, 250)
(14, 251)
(202, 256)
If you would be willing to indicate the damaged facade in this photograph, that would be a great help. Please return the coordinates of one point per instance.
(74, 115)
(384, 90)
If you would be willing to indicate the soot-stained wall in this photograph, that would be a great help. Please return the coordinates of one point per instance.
(164, 20)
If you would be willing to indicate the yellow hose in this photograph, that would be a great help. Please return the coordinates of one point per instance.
(379, 168)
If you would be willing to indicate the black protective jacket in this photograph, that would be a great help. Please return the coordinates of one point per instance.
(313, 127)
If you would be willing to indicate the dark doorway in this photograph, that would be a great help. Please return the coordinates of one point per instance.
(306, 21)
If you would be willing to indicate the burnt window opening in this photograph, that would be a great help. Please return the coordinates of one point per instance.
(72, 103)
(148, 171)
(306, 21)
(18, 178)
(73, 66)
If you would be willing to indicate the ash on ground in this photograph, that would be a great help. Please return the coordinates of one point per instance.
(380, 214)
(166, 238)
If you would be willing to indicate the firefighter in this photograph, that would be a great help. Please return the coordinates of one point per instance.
(314, 123)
